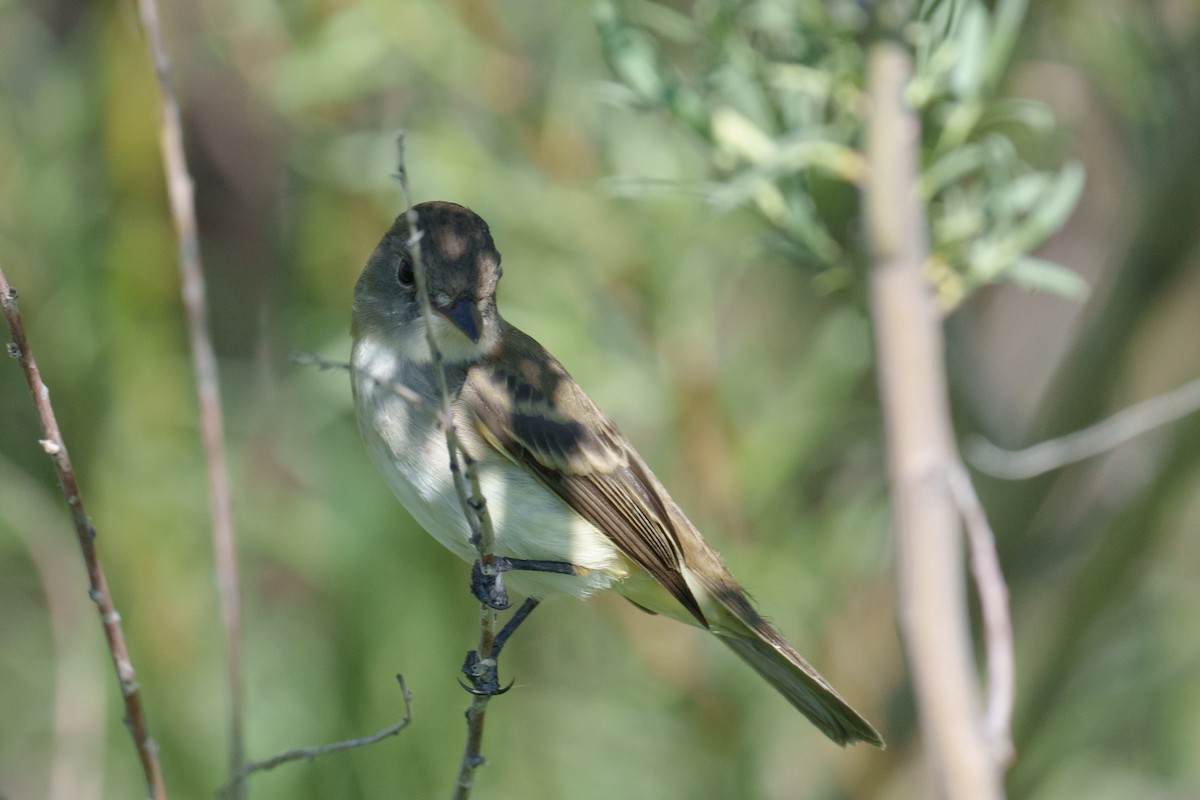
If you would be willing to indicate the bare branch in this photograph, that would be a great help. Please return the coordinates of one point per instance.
(474, 504)
(1015, 465)
(309, 753)
(204, 361)
(921, 450)
(98, 591)
(997, 625)
(320, 362)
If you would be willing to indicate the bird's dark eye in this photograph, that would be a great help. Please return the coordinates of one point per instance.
(405, 274)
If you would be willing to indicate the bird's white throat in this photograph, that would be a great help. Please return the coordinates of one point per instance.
(412, 343)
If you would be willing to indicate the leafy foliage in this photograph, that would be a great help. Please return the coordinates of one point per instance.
(747, 391)
(773, 88)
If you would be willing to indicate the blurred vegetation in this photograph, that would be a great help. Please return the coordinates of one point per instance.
(775, 90)
(745, 381)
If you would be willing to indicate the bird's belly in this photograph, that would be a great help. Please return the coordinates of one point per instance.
(529, 521)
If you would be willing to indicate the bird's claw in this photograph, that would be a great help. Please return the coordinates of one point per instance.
(489, 589)
(483, 676)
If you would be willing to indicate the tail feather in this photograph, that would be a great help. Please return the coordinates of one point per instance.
(804, 688)
(743, 630)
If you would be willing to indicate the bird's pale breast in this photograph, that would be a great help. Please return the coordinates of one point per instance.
(409, 448)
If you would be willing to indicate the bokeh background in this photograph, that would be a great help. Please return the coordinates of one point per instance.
(746, 385)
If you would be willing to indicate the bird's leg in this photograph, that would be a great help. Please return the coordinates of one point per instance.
(483, 675)
(513, 623)
(489, 589)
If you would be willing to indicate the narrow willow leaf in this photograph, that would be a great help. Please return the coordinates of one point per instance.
(1049, 211)
(1006, 26)
(1021, 195)
(1046, 276)
(800, 78)
(630, 52)
(737, 134)
(837, 159)
(1022, 111)
(971, 39)
(951, 168)
(804, 222)
(666, 22)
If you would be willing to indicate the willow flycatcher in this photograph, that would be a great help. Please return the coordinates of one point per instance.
(574, 507)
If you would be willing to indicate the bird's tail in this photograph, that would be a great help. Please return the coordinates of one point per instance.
(805, 689)
(765, 649)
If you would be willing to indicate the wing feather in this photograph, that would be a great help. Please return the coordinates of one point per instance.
(524, 403)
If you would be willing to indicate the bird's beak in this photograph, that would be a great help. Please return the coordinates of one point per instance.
(465, 316)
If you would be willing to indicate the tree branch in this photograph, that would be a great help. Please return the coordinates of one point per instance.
(401, 391)
(309, 753)
(1015, 465)
(921, 452)
(98, 591)
(183, 212)
(472, 501)
(997, 625)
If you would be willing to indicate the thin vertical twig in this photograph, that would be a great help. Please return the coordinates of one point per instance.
(204, 362)
(466, 486)
(922, 455)
(98, 590)
(997, 624)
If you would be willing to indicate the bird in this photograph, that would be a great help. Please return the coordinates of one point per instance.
(574, 507)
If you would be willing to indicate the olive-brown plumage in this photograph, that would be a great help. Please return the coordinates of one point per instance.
(563, 484)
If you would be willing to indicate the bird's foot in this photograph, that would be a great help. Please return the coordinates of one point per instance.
(489, 589)
(483, 672)
(483, 675)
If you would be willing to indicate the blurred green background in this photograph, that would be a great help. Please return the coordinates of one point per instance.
(747, 385)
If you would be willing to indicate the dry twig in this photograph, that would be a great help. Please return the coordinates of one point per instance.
(1015, 465)
(474, 504)
(309, 753)
(320, 362)
(993, 603)
(98, 591)
(183, 212)
(921, 452)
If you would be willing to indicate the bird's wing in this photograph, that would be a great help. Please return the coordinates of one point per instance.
(524, 403)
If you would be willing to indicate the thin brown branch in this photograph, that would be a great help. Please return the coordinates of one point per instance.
(921, 450)
(474, 504)
(98, 591)
(1094, 440)
(204, 361)
(477, 711)
(309, 753)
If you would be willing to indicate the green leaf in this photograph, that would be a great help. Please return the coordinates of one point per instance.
(1050, 209)
(1046, 276)
(1006, 26)
(1021, 195)
(971, 42)
(630, 52)
(1026, 212)
(1031, 114)
(953, 167)
(737, 134)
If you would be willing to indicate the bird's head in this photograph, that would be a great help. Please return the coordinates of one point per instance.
(462, 268)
